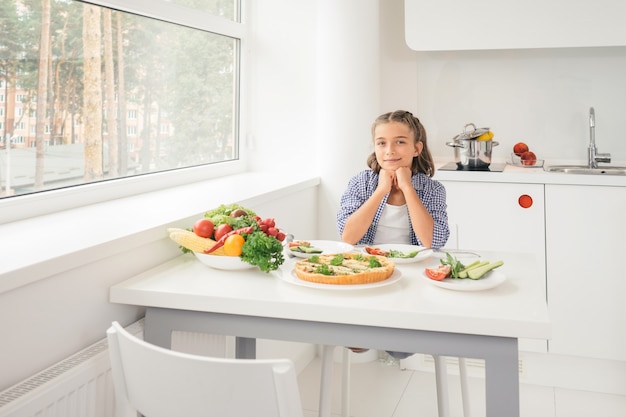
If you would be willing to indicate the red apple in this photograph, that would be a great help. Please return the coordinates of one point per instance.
(528, 158)
(520, 148)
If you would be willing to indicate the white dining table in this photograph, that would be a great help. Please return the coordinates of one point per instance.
(410, 313)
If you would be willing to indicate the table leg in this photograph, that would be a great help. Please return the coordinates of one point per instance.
(502, 380)
(157, 331)
(245, 348)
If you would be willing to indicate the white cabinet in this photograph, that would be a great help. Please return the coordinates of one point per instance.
(492, 216)
(447, 25)
(585, 231)
(506, 217)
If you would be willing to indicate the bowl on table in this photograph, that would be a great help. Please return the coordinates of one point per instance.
(228, 263)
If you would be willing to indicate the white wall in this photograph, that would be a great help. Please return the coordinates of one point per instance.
(539, 96)
(315, 82)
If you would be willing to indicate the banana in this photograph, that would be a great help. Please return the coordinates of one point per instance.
(486, 136)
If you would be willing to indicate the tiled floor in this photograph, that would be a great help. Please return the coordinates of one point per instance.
(381, 390)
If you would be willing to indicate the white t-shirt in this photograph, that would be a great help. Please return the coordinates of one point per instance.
(393, 226)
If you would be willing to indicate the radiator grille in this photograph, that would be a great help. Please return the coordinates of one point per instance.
(79, 385)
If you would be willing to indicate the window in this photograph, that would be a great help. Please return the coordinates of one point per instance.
(166, 73)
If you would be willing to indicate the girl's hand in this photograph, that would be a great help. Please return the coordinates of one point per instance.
(386, 180)
(403, 178)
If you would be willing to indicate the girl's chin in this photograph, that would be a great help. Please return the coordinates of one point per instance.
(392, 166)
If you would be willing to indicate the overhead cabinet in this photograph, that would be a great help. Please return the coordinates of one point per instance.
(448, 25)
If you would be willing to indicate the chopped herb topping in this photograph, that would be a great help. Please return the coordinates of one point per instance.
(374, 263)
(337, 260)
(324, 270)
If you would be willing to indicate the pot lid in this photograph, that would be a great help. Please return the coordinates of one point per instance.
(471, 132)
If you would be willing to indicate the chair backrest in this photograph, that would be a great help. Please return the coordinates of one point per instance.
(158, 382)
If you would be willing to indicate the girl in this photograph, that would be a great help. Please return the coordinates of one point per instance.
(396, 200)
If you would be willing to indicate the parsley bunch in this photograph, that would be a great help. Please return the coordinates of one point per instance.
(455, 265)
(262, 250)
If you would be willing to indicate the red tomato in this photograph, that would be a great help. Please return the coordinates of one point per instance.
(203, 228)
(438, 274)
(376, 251)
(270, 222)
(272, 231)
(222, 229)
(280, 236)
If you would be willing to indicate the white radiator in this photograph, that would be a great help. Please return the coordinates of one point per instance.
(81, 385)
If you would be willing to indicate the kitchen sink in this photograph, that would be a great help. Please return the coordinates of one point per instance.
(584, 169)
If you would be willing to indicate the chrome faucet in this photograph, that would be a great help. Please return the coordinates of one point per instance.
(593, 157)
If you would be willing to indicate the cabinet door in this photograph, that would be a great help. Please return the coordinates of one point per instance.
(497, 216)
(503, 217)
(451, 25)
(586, 274)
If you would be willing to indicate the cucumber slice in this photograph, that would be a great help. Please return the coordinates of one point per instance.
(310, 249)
(476, 264)
(479, 272)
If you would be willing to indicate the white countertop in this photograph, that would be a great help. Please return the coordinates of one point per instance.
(517, 174)
(516, 308)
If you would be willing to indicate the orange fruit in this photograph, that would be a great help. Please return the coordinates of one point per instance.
(233, 245)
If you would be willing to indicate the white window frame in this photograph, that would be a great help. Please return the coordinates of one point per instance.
(51, 201)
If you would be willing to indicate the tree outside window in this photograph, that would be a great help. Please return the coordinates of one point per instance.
(59, 62)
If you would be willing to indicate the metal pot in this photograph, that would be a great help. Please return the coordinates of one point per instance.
(470, 153)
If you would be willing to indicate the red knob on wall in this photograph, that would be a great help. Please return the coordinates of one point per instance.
(525, 201)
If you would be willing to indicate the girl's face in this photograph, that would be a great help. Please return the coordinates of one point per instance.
(394, 145)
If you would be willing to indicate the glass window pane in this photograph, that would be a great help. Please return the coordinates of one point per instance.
(109, 94)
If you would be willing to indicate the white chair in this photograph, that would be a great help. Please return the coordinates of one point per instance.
(159, 382)
(441, 376)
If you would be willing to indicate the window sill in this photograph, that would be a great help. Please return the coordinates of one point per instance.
(39, 247)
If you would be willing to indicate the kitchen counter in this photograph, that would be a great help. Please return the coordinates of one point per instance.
(516, 174)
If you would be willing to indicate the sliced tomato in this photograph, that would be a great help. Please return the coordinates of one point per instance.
(376, 251)
(438, 274)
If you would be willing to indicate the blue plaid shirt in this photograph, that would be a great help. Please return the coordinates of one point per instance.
(431, 192)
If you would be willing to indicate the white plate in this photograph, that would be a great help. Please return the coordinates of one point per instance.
(292, 278)
(423, 252)
(229, 263)
(465, 257)
(491, 280)
(327, 247)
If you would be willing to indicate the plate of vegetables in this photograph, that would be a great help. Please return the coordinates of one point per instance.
(399, 253)
(477, 275)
